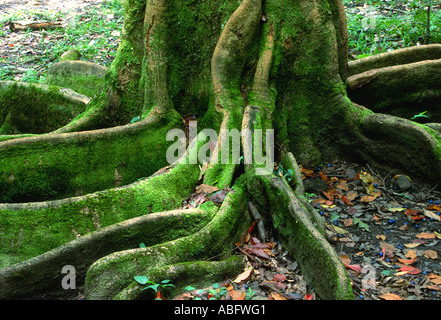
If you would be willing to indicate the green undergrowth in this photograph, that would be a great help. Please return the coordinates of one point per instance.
(380, 26)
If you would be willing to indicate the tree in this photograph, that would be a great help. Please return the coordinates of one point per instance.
(247, 65)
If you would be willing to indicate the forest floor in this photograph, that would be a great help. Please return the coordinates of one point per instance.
(387, 237)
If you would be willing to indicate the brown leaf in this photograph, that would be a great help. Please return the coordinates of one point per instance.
(276, 296)
(206, 188)
(279, 277)
(258, 252)
(343, 186)
(426, 235)
(411, 254)
(237, 295)
(390, 296)
(244, 276)
(347, 222)
(431, 214)
(410, 261)
(323, 176)
(436, 279)
(368, 198)
(432, 254)
(412, 245)
(381, 237)
(351, 195)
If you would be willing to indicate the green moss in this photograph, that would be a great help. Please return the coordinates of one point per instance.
(29, 109)
(216, 238)
(86, 85)
(198, 274)
(47, 170)
(190, 80)
(29, 232)
(304, 243)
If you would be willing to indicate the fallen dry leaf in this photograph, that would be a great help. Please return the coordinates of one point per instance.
(409, 269)
(410, 261)
(434, 278)
(237, 295)
(348, 222)
(432, 254)
(368, 198)
(276, 296)
(343, 186)
(381, 237)
(351, 195)
(390, 296)
(244, 276)
(279, 277)
(432, 215)
(411, 254)
(426, 235)
(206, 188)
(412, 245)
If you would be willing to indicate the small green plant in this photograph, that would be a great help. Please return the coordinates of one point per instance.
(216, 293)
(158, 288)
(250, 294)
(281, 172)
(420, 115)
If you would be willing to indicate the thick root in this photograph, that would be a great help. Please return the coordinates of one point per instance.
(51, 107)
(394, 58)
(197, 274)
(399, 143)
(52, 166)
(39, 227)
(43, 273)
(112, 274)
(392, 86)
(299, 227)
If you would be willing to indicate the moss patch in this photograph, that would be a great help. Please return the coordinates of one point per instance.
(29, 109)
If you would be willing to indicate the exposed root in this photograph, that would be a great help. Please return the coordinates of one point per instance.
(228, 57)
(296, 229)
(36, 275)
(341, 32)
(400, 143)
(378, 89)
(196, 274)
(110, 275)
(157, 98)
(394, 58)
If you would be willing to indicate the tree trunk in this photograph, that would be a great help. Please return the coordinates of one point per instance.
(250, 65)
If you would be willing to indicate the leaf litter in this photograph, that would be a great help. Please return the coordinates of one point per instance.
(387, 239)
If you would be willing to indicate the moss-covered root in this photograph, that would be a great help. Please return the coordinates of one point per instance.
(107, 277)
(231, 50)
(44, 272)
(412, 83)
(316, 257)
(396, 57)
(198, 274)
(297, 225)
(401, 143)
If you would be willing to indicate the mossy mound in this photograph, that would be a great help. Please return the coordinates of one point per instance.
(83, 77)
(37, 109)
